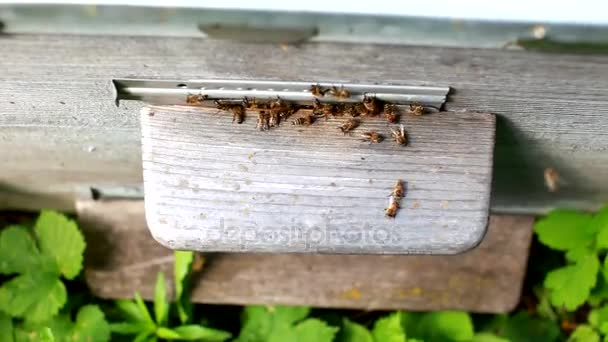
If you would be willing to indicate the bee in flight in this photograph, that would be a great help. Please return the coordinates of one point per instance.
(400, 136)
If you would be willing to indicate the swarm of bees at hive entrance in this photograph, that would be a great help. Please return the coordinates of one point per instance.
(327, 102)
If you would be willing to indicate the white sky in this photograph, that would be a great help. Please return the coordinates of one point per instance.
(575, 11)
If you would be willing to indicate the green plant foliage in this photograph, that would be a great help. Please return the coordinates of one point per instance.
(275, 324)
(37, 293)
(584, 238)
(584, 333)
(443, 326)
(139, 321)
(564, 230)
(353, 332)
(181, 271)
(389, 329)
(522, 327)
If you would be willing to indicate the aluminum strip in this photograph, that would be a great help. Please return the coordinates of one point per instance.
(174, 92)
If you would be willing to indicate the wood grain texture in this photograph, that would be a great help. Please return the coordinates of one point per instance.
(211, 185)
(122, 258)
(57, 101)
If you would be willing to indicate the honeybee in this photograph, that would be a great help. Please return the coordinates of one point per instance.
(238, 113)
(349, 125)
(416, 108)
(398, 190)
(393, 206)
(372, 137)
(274, 119)
(354, 110)
(316, 90)
(371, 104)
(262, 123)
(291, 109)
(195, 98)
(255, 105)
(304, 121)
(390, 112)
(323, 109)
(339, 92)
(223, 106)
(551, 179)
(278, 104)
(400, 136)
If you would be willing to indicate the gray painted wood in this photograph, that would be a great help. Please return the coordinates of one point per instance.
(122, 258)
(211, 185)
(60, 132)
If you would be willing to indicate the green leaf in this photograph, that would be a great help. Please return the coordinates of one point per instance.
(260, 323)
(46, 335)
(584, 333)
(565, 229)
(445, 326)
(143, 336)
(524, 328)
(33, 296)
(598, 318)
(161, 304)
(571, 285)
(6, 328)
(143, 309)
(353, 332)
(488, 337)
(131, 311)
(90, 325)
(18, 252)
(315, 330)
(600, 224)
(389, 329)
(125, 328)
(181, 271)
(197, 332)
(579, 253)
(167, 334)
(60, 238)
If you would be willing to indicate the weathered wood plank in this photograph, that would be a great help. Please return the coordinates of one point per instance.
(58, 102)
(211, 185)
(122, 258)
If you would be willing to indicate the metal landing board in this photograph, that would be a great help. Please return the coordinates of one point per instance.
(214, 185)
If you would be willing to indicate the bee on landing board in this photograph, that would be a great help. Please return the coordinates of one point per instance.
(371, 104)
(323, 109)
(551, 179)
(398, 190)
(390, 112)
(400, 136)
(316, 90)
(416, 109)
(372, 137)
(304, 121)
(238, 113)
(288, 111)
(393, 206)
(263, 121)
(339, 92)
(255, 105)
(274, 119)
(195, 98)
(349, 125)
